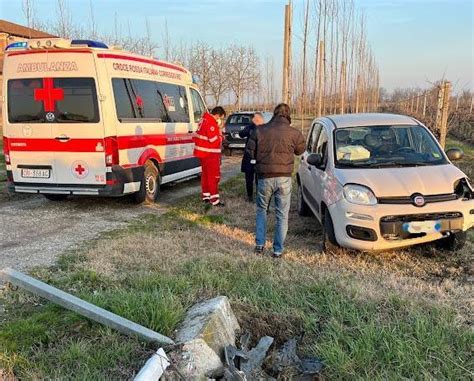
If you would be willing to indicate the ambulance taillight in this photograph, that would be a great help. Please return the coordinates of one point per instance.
(111, 151)
(6, 150)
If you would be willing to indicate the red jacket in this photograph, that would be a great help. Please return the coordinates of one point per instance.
(208, 137)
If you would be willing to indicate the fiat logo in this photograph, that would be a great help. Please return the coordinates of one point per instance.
(419, 200)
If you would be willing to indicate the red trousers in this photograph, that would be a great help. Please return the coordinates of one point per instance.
(210, 177)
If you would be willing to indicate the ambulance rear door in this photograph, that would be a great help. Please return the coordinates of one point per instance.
(77, 122)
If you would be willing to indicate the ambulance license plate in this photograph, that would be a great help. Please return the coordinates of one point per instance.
(422, 227)
(35, 173)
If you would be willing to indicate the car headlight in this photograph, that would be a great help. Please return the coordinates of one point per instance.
(358, 194)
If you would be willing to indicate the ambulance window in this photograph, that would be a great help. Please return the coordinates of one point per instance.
(80, 100)
(123, 98)
(198, 105)
(22, 107)
(52, 100)
(174, 101)
(145, 99)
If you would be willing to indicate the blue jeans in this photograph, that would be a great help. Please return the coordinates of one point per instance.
(280, 189)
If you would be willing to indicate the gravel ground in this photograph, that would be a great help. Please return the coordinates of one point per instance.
(35, 231)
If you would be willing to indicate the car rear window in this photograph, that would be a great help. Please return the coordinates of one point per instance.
(52, 100)
(240, 119)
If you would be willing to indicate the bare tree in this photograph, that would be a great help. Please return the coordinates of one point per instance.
(218, 81)
(200, 64)
(243, 71)
(64, 26)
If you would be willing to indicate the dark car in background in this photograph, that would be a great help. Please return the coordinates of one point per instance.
(237, 122)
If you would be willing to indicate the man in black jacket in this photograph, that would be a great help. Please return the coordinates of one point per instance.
(273, 147)
(247, 167)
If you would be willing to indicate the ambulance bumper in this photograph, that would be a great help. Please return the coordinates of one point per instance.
(120, 181)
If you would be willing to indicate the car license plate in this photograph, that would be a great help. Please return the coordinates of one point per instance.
(422, 227)
(35, 173)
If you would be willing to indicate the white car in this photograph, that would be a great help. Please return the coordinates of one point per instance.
(382, 181)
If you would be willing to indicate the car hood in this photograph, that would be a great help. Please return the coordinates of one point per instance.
(394, 182)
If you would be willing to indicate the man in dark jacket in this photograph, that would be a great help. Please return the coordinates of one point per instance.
(247, 167)
(272, 148)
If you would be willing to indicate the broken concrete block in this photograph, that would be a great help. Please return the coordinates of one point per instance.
(196, 361)
(212, 321)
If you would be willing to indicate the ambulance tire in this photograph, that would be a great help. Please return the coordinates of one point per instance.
(56, 197)
(150, 185)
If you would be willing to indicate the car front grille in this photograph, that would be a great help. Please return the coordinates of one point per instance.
(409, 199)
(422, 217)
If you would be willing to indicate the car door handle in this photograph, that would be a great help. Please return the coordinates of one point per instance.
(63, 138)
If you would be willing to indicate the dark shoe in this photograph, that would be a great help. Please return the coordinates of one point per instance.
(258, 249)
(276, 255)
(206, 201)
(220, 204)
(250, 200)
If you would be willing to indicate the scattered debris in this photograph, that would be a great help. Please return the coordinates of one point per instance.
(283, 364)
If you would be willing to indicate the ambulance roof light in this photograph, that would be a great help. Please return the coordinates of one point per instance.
(90, 43)
(17, 45)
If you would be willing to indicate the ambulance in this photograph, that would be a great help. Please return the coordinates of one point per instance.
(82, 118)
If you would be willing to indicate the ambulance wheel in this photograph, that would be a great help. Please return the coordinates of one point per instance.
(150, 185)
(56, 197)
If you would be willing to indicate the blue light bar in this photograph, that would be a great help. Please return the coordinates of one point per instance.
(90, 43)
(17, 45)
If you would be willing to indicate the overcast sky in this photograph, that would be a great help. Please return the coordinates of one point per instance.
(415, 42)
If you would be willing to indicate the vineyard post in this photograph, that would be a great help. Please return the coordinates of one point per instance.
(417, 103)
(442, 111)
(472, 104)
(424, 104)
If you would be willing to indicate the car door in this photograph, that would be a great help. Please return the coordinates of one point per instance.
(307, 181)
(318, 174)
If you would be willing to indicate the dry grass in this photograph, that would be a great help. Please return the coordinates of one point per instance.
(400, 314)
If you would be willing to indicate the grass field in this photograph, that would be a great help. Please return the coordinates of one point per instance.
(394, 315)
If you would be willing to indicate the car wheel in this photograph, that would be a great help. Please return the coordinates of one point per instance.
(56, 197)
(303, 208)
(454, 242)
(330, 244)
(150, 185)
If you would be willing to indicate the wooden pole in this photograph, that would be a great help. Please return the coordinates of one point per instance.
(417, 103)
(304, 79)
(357, 94)
(285, 59)
(290, 26)
(445, 113)
(321, 77)
(472, 104)
(343, 87)
(424, 104)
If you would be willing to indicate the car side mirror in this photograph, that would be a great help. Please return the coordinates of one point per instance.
(455, 154)
(315, 159)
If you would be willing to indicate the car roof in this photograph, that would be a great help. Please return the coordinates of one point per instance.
(248, 112)
(370, 119)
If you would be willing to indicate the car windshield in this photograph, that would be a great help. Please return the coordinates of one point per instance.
(386, 146)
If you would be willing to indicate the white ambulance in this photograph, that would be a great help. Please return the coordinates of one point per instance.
(81, 118)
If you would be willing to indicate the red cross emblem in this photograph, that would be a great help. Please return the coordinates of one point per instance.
(139, 101)
(79, 169)
(49, 95)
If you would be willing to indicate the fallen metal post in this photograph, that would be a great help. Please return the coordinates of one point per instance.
(154, 367)
(82, 307)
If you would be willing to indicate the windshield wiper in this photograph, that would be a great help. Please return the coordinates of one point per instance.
(72, 118)
(399, 164)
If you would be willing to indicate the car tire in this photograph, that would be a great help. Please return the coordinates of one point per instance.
(150, 185)
(454, 242)
(330, 244)
(302, 206)
(56, 197)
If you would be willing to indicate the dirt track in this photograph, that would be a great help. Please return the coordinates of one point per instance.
(34, 231)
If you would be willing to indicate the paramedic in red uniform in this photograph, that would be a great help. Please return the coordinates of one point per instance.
(207, 147)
